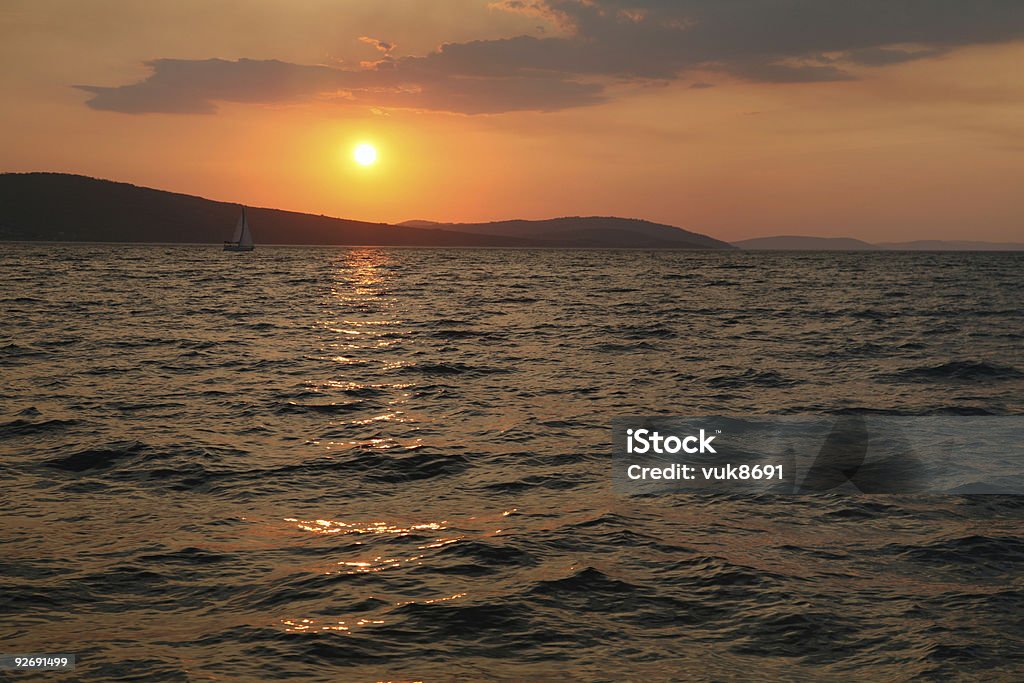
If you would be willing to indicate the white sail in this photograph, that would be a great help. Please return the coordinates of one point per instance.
(242, 240)
(245, 238)
(240, 227)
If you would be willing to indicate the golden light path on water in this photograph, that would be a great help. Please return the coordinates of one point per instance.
(361, 277)
(376, 563)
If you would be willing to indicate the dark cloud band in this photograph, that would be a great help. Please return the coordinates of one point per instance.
(791, 41)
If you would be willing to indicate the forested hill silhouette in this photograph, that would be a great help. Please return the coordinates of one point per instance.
(56, 206)
(65, 207)
(594, 230)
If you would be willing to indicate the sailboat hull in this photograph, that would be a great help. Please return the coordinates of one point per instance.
(238, 247)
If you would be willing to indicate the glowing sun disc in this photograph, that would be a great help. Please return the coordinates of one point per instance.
(365, 154)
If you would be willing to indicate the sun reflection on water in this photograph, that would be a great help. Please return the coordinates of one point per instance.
(432, 601)
(313, 625)
(440, 543)
(327, 526)
(362, 272)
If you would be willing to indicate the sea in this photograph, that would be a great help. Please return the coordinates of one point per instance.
(381, 464)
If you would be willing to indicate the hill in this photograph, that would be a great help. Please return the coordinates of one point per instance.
(805, 243)
(594, 231)
(952, 245)
(64, 207)
(56, 206)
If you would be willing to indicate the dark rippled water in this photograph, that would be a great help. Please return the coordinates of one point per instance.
(381, 464)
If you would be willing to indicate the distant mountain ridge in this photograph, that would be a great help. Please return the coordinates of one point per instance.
(66, 207)
(596, 230)
(802, 243)
(810, 243)
(953, 245)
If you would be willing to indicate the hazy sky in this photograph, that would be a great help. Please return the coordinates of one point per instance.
(877, 119)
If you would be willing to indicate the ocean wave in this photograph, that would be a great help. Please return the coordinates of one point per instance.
(96, 458)
(23, 427)
(965, 370)
(973, 550)
(328, 407)
(452, 368)
(752, 378)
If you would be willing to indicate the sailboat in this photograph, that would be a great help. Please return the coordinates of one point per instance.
(242, 241)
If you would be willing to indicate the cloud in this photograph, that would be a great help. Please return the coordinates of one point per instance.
(178, 86)
(380, 45)
(881, 56)
(748, 38)
(600, 42)
(790, 73)
(384, 47)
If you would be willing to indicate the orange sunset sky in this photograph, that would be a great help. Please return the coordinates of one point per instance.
(884, 121)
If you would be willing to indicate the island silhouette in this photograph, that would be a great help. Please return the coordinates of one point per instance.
(64, 207)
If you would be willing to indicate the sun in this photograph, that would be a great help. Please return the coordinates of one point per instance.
(365, 154)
